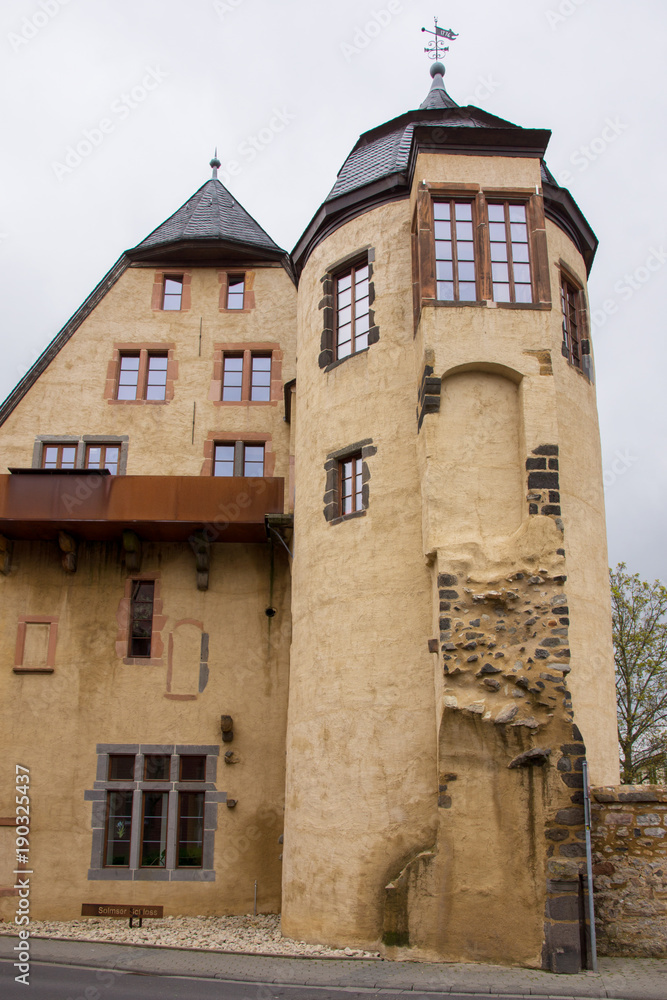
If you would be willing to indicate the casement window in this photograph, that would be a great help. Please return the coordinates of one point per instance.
(352, 310)
(246, 376)
(141, 618)
(347, 481)
(103, 456)
(510, 255)
(454, 251)
(142, 375)
(172, 297)
(350, 490)
(59, 456)
(151, 812)
(572, 332)
(235, 291)
(238, 458)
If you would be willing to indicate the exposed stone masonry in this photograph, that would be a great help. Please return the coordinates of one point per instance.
(543, 481)
(629, 834)
(429, 395)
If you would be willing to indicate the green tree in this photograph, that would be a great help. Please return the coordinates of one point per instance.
(639, 617)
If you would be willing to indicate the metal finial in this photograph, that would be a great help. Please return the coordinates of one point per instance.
(214, 164)
(436, 48)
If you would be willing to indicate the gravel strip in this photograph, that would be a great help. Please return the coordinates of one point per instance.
(248, 935)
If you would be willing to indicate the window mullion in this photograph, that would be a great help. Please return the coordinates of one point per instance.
(510, 256)
(246, 375)
(142, 374)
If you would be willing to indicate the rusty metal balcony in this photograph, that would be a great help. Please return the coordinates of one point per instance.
(92, 505)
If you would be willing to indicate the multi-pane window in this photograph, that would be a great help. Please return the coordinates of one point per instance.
(352, 310)
(156, 381)
(260, 378)
(238, 459)
(246, 376)
(142, 381)
(350, 484)
(128, 377)
(103, 456)
(141, 618)
(510, 257)
(235, 291)
(59, 456)
(173, 293)
(171, 831)
(454, 251)
(569, 297)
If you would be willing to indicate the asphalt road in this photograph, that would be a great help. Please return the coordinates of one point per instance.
(60, 982)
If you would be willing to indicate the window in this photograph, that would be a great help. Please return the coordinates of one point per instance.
(235, 291)
(510, 257)
(350, 490)
(173, 292)
(347, 481)
(103, 456)
(141, 618)
(569, 297)
(152, 812)
(454, 251)
(352, 310)
(142, 375)
(246, 376)
(59, 456)
(238, 458)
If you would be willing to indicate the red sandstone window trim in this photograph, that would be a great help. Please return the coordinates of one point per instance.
(154, 377)
(248, 353)
(21, 632)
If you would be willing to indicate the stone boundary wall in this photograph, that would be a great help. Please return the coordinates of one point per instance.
(629, 836)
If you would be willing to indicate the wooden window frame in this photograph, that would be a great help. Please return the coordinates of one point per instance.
(423, 245)
(235, 279)
(329, 357)
(351, 271)
(240, 457)
(103, 450)
(248, 290)
(109, 792)
(59, 445)
(333, 468)
(238, 439)
(177, 279)
(132, 654)
(165, 819)
(124, 619)
(158, 293)
(453, 201)
(508, 203)
(582, 362)
(181, 795)
(247, 351)
(145, 352)
(356, 479)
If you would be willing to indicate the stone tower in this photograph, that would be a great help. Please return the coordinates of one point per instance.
(451, 648)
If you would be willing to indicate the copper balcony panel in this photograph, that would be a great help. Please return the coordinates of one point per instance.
(100, 507)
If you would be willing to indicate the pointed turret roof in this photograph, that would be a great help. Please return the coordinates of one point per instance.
(437, 96)
(210, 224)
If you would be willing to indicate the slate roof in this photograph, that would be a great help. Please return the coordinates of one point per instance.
(386, 150)
(210, 214)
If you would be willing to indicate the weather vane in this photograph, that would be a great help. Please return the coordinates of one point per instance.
(436, 48)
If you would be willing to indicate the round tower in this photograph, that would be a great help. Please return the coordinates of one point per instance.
(451, 649)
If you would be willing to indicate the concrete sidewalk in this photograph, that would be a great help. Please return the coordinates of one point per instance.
(623, 978)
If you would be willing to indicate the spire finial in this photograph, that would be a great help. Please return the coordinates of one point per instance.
(436, 48)
(214, 164)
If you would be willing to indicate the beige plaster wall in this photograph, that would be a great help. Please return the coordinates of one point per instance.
(53, 722)
(361, 752)
(69, 398)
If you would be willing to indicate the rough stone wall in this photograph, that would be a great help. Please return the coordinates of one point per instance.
(629, 834)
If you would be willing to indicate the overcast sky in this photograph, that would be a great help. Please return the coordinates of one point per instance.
(147, 88)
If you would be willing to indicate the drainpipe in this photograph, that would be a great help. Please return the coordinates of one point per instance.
(589, 869)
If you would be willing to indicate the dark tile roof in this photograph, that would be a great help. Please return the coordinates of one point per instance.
(379, 153)
(211, 213)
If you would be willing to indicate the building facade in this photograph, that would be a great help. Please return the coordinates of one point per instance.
(304, 562)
